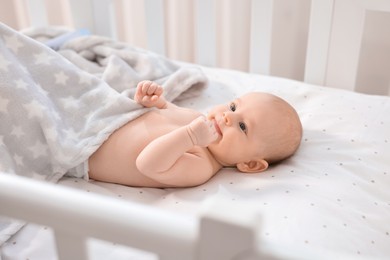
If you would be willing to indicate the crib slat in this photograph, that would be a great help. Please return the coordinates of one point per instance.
(94, 15)
(37, 12)
(376, 5)
(130, 22)
(103, 17)
(261, 36)
(346, 39)
(206, 32)
(14, 13)
(236, 233)
(155, 26)
(70, 246)
(233, 45)
(319, 40)
(179, 30)
(58, 12)
(82, 14)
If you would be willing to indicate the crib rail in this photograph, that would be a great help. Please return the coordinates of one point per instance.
(75, 215)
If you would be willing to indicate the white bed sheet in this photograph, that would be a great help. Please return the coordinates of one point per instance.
(329, 201)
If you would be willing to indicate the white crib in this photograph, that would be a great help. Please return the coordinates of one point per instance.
(334, 43)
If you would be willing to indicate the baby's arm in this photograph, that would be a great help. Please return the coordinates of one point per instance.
(167, 160)
(149, 94)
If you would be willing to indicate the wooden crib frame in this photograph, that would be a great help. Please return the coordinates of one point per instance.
(75, 215)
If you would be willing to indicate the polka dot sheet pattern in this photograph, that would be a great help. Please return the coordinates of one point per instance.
(331, 200)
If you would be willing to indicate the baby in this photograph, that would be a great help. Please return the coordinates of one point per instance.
(173, 146)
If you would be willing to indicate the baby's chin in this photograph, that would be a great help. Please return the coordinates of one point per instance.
(215, 142)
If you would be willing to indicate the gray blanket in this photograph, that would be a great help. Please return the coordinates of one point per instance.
(55, 111)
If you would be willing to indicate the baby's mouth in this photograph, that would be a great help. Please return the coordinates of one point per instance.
(217, 127)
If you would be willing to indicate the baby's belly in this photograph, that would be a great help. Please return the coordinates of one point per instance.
(115, 160)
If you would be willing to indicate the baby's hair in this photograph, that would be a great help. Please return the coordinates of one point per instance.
(284, 142)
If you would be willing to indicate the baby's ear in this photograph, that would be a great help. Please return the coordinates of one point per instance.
(253, 166)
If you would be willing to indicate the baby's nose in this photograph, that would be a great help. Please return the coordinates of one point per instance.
(227, 118)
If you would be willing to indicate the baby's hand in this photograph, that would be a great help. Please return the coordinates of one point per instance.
(202, 131)
(149, 94)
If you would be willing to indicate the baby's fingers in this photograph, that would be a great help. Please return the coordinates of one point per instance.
(155, 90)
(213, 132)
(147, 100)
(159, 90)
(202, 131)
(154, 98)
(143, 86)
(151, 89)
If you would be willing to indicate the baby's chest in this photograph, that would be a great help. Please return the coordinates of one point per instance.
(169, 118)
(154, 124)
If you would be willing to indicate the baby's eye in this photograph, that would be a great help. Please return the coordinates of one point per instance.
(242, 126)
(232, 107)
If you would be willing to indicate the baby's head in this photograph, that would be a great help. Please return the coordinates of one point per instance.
(255, 130)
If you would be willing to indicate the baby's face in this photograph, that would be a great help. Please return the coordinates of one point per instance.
(243, 125)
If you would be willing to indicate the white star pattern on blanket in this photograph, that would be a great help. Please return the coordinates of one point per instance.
(42, 58)
(17, 131)
(3, 105)
(12, 42)
(38, 149)
(61, 78)
(18, 159)
(51, 133)
(4, 63)
(21, 84)
(34, 109)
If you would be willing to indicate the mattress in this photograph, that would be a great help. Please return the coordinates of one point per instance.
(331, 200)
